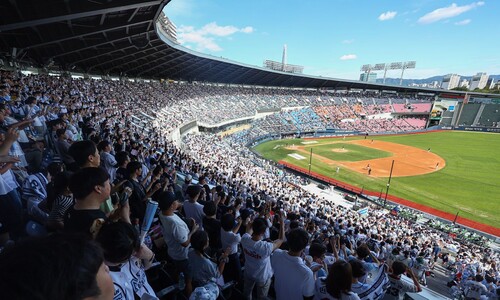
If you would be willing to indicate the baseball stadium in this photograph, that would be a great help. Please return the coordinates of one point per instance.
(134, 167)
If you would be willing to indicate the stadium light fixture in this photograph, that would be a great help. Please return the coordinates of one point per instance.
(406, 65)
(390, 66)
(379, 67)
(395, 66)
(366, 68)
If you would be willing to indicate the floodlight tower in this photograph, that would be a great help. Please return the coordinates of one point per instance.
(283, 59)
(406, 65)
(367, 69)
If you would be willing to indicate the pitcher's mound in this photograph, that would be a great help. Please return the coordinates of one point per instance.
(339, 150)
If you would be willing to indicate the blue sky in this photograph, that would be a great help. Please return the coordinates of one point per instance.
(334, 38)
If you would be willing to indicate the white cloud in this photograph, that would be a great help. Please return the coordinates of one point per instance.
(247, 29)
(463, 22)
(387, 15)
(348, 57)
(205, 37)
(347, 41)
(447, 12)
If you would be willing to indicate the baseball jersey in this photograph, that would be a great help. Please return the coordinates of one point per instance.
(398, 288)
(474, 289)
(322, 293)
(129, 279)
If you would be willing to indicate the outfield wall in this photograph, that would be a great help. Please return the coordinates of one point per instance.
(471, 128)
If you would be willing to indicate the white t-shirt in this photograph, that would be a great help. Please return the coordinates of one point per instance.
(292, 278)
(175, 232)
(230, 239)
(10, 182)
(398, 288)
(257, 258)
(322, 294)
(195, 211)
(130, 279)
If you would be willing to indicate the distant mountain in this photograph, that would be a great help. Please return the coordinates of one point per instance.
(407, 82)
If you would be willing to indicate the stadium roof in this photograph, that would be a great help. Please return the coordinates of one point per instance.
(120, 38)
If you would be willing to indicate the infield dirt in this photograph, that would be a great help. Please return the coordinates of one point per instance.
(408, 160)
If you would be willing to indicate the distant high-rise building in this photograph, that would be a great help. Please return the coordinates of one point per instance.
(450, 81)
(478, 81)
(490, 83)
(464, 83)
(368, 77)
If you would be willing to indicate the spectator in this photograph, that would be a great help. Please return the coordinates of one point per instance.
(364, 254)
(203, 182)
(474, 289)
(90, 188)
(193, 209)
(85, 155)
(56, 267)
(317, 251)
(127, 260)
(398, 288)
(213, 228)
(122, 160)
(63, 146)
(10, 201)
(187, 182)
(203, 269)
(176, 235)
(337, 285)
(34, 192)
(379, 283)
(140, 195)
(258, 270)
(293, 279)
(230, 238)
(108, 161)
(59, 200)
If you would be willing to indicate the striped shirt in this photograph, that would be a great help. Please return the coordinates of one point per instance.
(61, 204)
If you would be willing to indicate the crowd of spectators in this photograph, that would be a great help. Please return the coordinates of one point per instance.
(80, 159)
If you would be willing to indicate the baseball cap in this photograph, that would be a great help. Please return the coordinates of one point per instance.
(165, 200)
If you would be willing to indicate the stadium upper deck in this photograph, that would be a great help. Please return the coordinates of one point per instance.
(121, 38)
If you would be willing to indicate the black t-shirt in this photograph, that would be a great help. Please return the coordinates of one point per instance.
(87, 221)
(212, 227)
(121, 174)
(207, 192)
(136, 200)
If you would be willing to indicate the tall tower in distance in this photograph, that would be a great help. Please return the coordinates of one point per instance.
(283, 59)
(283, 66)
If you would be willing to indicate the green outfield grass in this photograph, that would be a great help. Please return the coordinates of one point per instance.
(469, 184)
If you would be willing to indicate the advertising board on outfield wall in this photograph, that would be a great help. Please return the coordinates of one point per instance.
(471, 128)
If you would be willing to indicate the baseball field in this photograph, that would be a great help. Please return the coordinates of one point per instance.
(450, 171)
